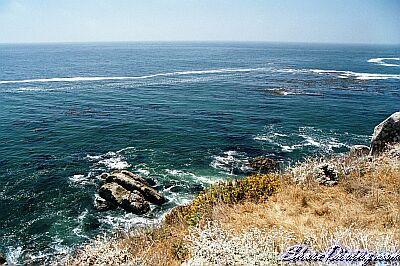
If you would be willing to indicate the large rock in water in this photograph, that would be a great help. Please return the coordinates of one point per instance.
(387, 132)
(131, 184)
(127, 200)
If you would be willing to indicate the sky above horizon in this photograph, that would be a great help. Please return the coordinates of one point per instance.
(336, 21)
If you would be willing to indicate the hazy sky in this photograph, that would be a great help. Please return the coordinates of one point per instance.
(338, 21)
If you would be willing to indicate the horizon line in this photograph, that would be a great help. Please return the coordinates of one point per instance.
(194, 41)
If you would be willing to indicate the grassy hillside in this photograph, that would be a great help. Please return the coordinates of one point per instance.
(254, 219)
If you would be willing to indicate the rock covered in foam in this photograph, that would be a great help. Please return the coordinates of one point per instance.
(386, 133)
(131, 201)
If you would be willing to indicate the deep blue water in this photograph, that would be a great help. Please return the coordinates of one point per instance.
(186, 114)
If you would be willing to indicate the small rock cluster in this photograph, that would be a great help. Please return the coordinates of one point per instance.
(128, 191)
(326, 174)
(386, 133)
(263, 165)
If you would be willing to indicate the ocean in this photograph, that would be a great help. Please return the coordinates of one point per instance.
(184, 114)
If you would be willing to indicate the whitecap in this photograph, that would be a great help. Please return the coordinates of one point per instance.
(115, 163)
(78, 230)
(279, 91)
(184, 175)
(33, 89)
(381, 61)
(126, 149)
(93, 157)
(143, 171)
(319, 140)
(80, 179)
(13, 255)
(111, 160)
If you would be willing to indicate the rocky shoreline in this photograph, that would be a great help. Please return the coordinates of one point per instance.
(135, 194)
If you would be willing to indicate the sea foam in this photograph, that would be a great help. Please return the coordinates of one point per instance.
(116, 78)
(356, 75)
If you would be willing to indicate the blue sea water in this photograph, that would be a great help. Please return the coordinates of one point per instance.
(185, 114)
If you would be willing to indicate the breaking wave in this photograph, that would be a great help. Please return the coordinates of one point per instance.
(178, 73)
(356, 75)
(338, 73)
(231, 162)
(111, 160)
(381, 61)
(289, 92)
(309, 138)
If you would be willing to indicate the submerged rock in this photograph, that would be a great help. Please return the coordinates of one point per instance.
(326, 174)
(359, 150)
(127, 200)
(132, 184)
(263, 164)
(386, 133)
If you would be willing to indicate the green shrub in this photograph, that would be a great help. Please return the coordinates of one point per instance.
(255, 188)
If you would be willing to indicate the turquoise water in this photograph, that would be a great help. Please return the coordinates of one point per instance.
(186, 114)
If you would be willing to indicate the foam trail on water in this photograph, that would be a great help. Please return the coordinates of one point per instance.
(178, 73)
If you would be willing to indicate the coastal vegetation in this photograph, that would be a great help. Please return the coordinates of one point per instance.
(253, 220)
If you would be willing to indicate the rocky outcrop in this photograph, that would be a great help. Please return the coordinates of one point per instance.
(386, 133)
(131, 201)
(128, 191)
(135, 177)
(132, 184)
(359, 150)
(3, 259)
(263, 164)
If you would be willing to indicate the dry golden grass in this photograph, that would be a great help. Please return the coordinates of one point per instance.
(362, 211)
